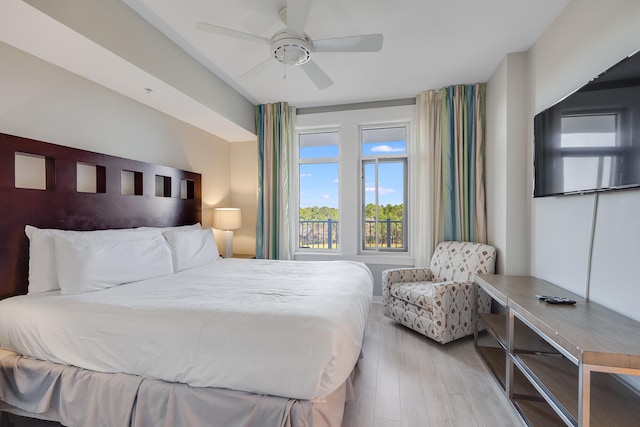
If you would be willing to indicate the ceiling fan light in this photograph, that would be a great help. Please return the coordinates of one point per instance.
(290, 50)
(291, 54)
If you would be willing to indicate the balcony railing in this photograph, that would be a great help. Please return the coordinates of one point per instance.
(319, 234)
(390, 234)
(323, 234)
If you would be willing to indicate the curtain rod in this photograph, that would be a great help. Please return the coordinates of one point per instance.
(357, 106)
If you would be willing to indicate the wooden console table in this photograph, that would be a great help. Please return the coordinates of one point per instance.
(559, 364)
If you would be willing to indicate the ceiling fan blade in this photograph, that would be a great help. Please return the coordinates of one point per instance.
(210, 28)
(297, 14)
(258, 69)
(363, 43)
(317, 76)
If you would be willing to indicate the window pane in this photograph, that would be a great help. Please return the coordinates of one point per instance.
(318, 145)
(319, 206)
(391, 204)
(384, 209)
(370, 233)
(384, 141)
(391, 183)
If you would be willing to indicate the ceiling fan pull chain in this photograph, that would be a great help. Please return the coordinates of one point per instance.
(284, 64)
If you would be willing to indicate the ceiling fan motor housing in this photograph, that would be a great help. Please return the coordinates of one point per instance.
(291, 49)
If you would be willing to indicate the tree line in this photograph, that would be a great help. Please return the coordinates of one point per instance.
(323, 213)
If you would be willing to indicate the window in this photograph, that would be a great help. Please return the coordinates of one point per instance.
(351, 173)
(384, 184)
(318, 172)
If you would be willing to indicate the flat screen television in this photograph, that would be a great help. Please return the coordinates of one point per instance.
(590, 141)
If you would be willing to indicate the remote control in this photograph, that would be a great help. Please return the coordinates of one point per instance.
(555, 300)
(559, 300)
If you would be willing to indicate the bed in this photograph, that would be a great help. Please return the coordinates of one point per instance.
(139, 342)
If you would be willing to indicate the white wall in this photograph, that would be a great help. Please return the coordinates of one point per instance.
(43, 102)
(116, 27)
(244, 194)
(506, 153)
(588, 37)
(496, 164)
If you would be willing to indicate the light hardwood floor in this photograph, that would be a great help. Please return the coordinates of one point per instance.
(408, 380)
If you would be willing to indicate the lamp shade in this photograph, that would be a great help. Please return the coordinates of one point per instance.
(227, 218)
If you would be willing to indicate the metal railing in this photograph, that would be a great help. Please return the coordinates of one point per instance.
(323, 234)
(318, 234)
(390, 234)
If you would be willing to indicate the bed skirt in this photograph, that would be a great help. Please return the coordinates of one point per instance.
(78, 397)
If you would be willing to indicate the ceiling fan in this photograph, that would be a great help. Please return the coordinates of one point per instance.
(292, 46)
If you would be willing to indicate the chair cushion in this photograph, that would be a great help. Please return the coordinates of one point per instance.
(417, 293)
(460, 261)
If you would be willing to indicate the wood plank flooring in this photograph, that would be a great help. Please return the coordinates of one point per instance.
(408, 380)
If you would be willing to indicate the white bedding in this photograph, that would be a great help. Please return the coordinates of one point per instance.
(284, 328)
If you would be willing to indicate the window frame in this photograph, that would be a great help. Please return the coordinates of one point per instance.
(297, 161)
(384, 158)
(348, 121)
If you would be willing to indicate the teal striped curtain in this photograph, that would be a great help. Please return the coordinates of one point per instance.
(274, 129)
(463, 134)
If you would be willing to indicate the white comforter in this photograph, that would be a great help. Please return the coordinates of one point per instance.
(284, 328)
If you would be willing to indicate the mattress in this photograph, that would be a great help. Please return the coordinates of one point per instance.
(284, 328)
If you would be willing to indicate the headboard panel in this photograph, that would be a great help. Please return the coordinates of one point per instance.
(62, 206)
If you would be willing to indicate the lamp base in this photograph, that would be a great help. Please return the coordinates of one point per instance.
(227, 237)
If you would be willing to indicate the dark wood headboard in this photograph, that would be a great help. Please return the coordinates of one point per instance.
(61, 206)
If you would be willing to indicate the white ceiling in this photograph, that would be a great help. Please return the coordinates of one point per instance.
(428, 44)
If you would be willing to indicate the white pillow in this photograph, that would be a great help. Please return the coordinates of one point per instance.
(191, 248)
(43, 274)
(196, 226)
(88, 263)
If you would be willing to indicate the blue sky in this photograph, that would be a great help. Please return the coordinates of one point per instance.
(319, 182)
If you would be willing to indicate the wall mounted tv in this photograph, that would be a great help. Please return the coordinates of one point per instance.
(590, 141)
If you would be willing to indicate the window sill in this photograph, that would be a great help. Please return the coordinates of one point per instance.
(400, 259)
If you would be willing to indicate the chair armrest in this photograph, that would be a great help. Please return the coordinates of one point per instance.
(452, 309)
(482, 299)
(404, 275)
(441, 286)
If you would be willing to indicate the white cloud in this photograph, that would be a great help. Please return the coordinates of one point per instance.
(305, 175)
(381, 190)
(325, 196)
(386, 149)
(335, 181)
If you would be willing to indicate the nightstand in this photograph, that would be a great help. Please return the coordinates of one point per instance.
(245, 256)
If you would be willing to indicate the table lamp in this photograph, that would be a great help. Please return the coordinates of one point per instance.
(227, 219)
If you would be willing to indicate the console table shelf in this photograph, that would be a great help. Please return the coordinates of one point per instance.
(497, 326)
(559, 364)
(496, 360)
(537, 414)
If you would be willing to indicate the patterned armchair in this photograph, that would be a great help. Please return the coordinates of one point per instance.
(437, 301)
